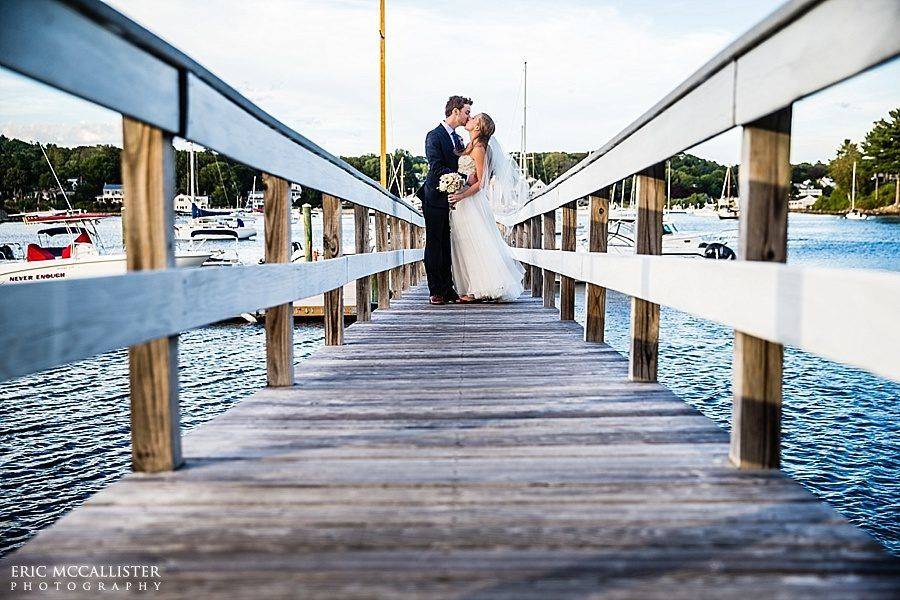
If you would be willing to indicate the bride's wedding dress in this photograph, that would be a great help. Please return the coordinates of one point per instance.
(482, 262)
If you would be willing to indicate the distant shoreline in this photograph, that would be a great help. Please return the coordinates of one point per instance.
(882, 211)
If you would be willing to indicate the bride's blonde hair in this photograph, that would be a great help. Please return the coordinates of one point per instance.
(485, 129)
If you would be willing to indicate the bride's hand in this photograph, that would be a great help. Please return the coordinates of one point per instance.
(454, 198)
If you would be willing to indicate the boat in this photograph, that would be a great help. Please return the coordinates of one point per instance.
(214, 227)
(727, 207)
(70, 248)
(621, 236)
(854, 214)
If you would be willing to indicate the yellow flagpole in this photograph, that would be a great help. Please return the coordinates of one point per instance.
(381, 32)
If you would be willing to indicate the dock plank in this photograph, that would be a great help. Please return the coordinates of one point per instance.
(467, 451)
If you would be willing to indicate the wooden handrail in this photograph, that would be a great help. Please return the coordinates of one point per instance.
(757, 75)
(49, 323)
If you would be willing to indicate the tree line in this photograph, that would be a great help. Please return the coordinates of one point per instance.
(26, 182)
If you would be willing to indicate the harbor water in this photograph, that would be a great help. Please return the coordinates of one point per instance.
(64, 432)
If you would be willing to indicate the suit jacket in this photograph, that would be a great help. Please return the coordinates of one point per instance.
(442, 159)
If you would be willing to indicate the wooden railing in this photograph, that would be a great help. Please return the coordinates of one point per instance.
(850, 316)
(87, 49)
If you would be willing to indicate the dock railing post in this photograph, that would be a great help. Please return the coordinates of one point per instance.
(363, 245)
(396, 272)
(568, 244)
(549, 277)
(764, 182)
(148, 177)
(526, 243)
(383, 278)
(537, 278)
(331, 242)
(279, 319)
(651, 196)
(405, 242)
(595, 295)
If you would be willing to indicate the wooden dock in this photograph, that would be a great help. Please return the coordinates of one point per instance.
(467, 451)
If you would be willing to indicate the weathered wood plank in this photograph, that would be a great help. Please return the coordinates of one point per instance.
(651, 195)
(363, 245)
(595, 295)
(765, 185)
(148, 177)
(279, 319)
(537, 274)
(334, 299)
(396, 238)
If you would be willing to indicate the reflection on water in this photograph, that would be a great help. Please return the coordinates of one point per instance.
(64, 432)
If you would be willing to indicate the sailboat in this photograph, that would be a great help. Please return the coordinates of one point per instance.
(210, 224)
(853, 214)
(727, 207)
(669, 210)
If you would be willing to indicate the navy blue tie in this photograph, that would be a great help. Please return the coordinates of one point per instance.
(457, 141)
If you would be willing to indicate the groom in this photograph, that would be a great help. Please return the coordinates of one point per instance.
(442, 148)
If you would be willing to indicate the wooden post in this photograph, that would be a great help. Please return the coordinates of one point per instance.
(363, 284)
(568, 242)
(537, 278)
(148, 177)
(549, 277)
(405, 243)
(651, 197)
(764, 180)
(397, 272)
(331, 242)
(526, 243)
(381, 245)
(416, 244)
(595, 295)
(307, 231)
(279, 319)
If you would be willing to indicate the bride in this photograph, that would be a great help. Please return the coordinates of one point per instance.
(483, 265)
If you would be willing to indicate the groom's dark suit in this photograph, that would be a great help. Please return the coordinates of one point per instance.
(441, 152)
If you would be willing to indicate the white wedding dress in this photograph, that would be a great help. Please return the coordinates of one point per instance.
(482, 262)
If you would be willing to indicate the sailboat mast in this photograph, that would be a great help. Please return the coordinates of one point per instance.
(192, 181)
(522, 158)
(853, 189)
(381, 35)
(669, 185)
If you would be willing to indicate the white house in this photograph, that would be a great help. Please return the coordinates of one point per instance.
(182, 203)
(112, 194)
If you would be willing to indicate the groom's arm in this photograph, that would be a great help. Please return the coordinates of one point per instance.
(434, 156)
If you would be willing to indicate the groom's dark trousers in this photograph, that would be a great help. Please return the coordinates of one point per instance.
(442, 159)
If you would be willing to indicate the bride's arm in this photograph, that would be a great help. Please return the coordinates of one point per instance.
(478, 156)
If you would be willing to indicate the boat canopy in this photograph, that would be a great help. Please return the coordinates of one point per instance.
(81, 231)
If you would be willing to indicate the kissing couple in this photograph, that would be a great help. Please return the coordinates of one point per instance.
(468, 185)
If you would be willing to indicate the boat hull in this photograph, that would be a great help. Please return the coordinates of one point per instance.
(12, 273)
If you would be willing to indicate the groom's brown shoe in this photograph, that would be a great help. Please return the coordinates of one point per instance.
(435, 300)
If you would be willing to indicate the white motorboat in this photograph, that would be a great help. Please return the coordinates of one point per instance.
(78, 256)
(621, 236)
(216, 227)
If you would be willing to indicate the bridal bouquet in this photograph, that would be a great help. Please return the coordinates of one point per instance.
(451, 183)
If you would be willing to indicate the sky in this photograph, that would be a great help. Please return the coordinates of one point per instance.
(593, 67)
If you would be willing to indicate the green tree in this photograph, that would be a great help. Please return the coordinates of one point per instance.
(882, 148)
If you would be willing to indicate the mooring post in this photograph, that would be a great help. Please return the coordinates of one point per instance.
(279, 319)
(363, 284)
(568, 244)
(383, 278)
(595, 295)
(651, 197)
(537, 277)
(148, 178)
(765, 183)
(307, 231)
(549, 277)
(331, 242)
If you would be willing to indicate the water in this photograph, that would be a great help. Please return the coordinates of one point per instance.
(64, 432)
